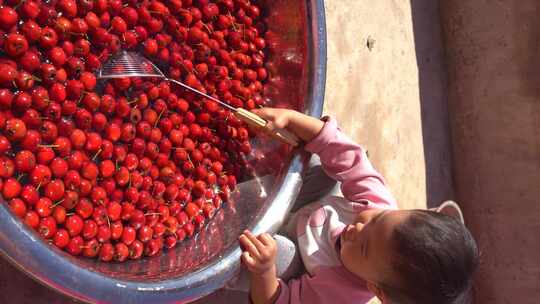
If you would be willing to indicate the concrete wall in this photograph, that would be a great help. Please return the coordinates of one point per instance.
(493, 59)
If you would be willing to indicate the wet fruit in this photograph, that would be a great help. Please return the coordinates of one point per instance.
(124, 168)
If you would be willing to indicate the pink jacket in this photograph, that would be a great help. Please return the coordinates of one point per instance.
(318, 225)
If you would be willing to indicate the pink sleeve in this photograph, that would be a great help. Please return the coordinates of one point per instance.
(328, 285)
(284, 293)
(345, 161)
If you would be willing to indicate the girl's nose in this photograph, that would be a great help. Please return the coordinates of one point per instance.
(353, 230)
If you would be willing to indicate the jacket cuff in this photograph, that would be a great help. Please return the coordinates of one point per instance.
(325, 136)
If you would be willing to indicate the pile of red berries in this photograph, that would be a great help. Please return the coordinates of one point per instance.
(122, 169)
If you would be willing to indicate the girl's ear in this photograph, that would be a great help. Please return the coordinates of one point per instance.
(377, 292)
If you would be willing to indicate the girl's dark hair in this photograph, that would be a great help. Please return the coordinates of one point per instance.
(434, 257)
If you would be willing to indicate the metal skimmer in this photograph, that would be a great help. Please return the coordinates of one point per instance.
(130, 64)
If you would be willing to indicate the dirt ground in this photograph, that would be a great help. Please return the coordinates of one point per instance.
(386, 84)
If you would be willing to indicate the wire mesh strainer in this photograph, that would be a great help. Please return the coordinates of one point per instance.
(130, 64)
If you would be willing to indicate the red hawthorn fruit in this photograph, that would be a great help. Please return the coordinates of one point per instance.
(9, 17)
(143, 164)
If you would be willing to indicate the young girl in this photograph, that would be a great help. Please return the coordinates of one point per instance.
(359, 245)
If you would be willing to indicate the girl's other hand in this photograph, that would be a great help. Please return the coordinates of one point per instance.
(259, 254)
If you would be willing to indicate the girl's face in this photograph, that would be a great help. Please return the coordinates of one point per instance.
(366, 244)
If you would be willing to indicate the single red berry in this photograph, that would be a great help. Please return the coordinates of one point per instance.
(181, 234)
(5, 145)
(43, 207)
(129, 235)
(61, 238)
(121, 252)
(15, 129)
(99, 195)
(54, 190)
(90, 170)
(90, 229)
(153, 247)
(145, 234)
(171, 241)
(106, 252)
(85, 187)
(136, 250)
(189, 228)
(76, 160)
(47, 227)
(63, 146)
(91, 248)
(18, 207)
(78, 139)
(25, 161)
(30, 195)
(75, 246)
(199, 221)
(103, 234)
(114, 211)
(116, 230)
(32, 219)
(72, 180)
(192, 210)
(93, 142)
(15, 45)
(11, 188)
(59, 214)
(84, 208)
(74, 225)
(59, 167)
(107, 168)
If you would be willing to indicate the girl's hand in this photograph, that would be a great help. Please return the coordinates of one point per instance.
(259, 254)
(276, 118)
(303, 126)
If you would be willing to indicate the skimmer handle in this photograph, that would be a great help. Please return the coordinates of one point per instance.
(256, 121)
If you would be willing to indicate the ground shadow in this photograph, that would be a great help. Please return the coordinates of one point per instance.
(433, 100)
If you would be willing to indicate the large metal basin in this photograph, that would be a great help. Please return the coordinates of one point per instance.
(297, 42)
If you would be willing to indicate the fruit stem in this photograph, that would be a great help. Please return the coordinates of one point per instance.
(232, 23)
(159, 117)
(189, 159)
(207, 28)
(240, 97)
(76, 34)
(19, 4)
(96, 155)
(48, 146)
(80, 98)
(152, 213)
(57, 203)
